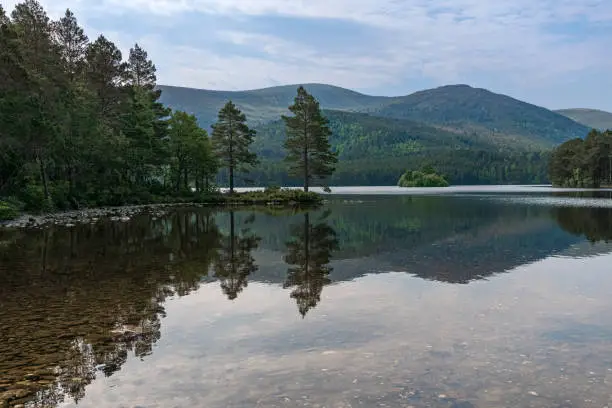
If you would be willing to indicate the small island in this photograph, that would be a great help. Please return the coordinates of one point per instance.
(426, 177)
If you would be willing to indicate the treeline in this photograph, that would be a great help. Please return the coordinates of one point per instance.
(583, 163)
(462, 166)
(376, 151)
(82, 126)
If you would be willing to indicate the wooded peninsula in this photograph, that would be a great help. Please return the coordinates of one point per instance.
(82, 127)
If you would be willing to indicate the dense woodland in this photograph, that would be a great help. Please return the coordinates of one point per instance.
(377, 151)
(81, 125)
(583, 162)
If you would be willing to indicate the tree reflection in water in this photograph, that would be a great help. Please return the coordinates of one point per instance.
(309, 251)
(76, 302)
(235, 261)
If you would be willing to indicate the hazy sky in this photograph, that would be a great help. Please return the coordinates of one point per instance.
(555, 53)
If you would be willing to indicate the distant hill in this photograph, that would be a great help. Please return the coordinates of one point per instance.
(484, 112)
(264, 105)
(470, 135)
(593, 118)
(458, 108)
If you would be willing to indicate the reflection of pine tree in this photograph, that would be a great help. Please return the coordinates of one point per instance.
(235, 262)
(309, 250)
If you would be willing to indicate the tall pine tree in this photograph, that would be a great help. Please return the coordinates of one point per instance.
(141, 70)
(231, 141)
(72, 42)
(106, 74)
(309, 152)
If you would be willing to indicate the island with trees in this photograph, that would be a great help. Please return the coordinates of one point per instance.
(426, 177)
(82, 127)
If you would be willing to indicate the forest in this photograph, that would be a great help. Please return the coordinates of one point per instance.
(583, 163)
(82, 126)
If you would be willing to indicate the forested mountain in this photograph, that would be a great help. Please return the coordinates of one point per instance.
(458, 108)
(376, 151)
(593, 118)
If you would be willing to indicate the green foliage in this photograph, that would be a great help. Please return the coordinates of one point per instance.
(275, 196)
(7, 211)
(592, 118)
(372, 151)
(82, 127)
(427, 177)
(583, 163)
(231, 140)
(309, 153)
(192, 155)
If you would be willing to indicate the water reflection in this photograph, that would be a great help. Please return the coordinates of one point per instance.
(234, 262)
(594, 224)
(309, 252)
(78, 303)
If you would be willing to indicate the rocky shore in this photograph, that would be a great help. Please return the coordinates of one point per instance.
(72, 218)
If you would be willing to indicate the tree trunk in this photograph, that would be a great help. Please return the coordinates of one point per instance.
(306, 173)
(186, 178)
(43, 176)
(232, 242)
(306, 244)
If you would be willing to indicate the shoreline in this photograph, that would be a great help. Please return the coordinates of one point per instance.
(276, 200)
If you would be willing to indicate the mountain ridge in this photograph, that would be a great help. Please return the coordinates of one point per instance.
(593, 118)
(459, 107)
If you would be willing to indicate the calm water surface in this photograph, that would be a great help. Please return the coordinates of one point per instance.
(473, 298)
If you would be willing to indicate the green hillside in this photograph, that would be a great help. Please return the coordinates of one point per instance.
(470, 135)
(376, 151)
(481, 111)
(264, 105)
(593, 118)
(457, 108)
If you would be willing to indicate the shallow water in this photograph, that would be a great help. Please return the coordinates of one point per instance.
(467, 299)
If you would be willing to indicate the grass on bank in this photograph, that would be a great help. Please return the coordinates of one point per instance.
(271, 196)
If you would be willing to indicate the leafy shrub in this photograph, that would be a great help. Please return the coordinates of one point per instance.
(426, 178)
(7, 211)
(34, 200)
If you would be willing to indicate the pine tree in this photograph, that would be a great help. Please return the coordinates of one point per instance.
(4, 20)
(231, 141)
(73, 44)
(106, 74)
(308, 149)
(140, 69)
(41, 62)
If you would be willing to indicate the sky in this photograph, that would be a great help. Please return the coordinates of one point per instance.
(553, 53)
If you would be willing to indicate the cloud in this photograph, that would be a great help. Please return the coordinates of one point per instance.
(387, 46)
